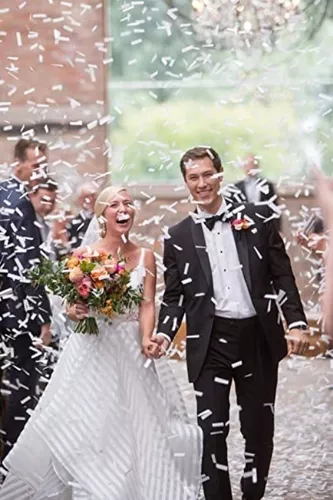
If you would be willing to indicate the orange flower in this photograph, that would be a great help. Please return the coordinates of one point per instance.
(99, 284)
(99, 273)
(103, 255)
(75, 275)
(108, 309)
(72, 262)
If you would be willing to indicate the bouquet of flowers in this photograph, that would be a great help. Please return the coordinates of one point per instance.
(95, 279)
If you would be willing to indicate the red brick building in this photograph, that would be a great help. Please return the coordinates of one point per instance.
(54, 60)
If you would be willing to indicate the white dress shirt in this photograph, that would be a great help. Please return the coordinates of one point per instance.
(231, 295)
(252, 189)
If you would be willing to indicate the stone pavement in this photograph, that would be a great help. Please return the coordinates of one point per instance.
(302, 466)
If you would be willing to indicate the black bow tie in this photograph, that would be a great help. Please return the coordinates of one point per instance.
(210, 221)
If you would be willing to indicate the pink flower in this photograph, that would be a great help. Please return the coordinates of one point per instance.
(240, 224)
(75, 275)
(84, 287)
(120, 268)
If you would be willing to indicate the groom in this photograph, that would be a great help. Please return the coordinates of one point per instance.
(226, 268)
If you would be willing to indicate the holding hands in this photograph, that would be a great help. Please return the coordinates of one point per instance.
(155, 346)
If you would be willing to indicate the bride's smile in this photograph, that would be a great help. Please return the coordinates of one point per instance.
(119, 214)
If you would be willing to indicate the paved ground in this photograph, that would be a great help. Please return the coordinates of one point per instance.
(302, 467)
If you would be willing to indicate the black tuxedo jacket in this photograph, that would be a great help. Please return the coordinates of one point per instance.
(263, 196)
(11, 192)
(24, 307)
(265, 276)
(77, 229)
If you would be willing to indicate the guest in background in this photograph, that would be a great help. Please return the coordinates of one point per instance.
(59, 248)
(43, 199)
(256, 189)
(79, 225)
(58, 240)
(30, 158)
(313, 237)
(29, 163)
(26, 310)
(325, 200)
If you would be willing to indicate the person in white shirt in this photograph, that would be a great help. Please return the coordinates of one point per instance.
(227, 270)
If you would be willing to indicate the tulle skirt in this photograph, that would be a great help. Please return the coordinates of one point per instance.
(109, 426)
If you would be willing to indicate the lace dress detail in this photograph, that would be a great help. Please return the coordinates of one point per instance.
(109, 426)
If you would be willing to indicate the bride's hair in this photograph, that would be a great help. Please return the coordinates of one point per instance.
(104, 198)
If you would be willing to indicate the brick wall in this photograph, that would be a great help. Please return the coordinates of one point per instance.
(53, 60)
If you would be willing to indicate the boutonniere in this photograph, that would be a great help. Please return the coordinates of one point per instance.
(240, 224)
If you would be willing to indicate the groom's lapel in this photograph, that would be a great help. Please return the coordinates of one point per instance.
(242, 244)
(200, 247)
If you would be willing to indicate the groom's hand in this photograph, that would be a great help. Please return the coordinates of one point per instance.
(150, 348)
(298, 341)
(163, 344)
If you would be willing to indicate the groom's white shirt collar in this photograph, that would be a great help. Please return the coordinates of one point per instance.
(202, 214)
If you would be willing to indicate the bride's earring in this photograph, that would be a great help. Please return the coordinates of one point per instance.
(102, 228)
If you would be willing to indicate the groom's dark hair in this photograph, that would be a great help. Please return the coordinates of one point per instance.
(197, 153)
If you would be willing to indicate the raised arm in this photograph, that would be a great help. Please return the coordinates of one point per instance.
(325, 200)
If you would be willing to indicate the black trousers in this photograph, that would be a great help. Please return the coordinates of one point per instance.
(237, 352)
(20, 382)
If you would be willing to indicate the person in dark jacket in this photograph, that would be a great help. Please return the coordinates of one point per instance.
(26, 312)
(227, 270)
(257, 189)
(30, 158)
(79, 224)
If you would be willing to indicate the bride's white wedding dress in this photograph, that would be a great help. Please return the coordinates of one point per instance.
(108, 427)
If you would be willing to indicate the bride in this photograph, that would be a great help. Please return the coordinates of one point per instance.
(111, 424)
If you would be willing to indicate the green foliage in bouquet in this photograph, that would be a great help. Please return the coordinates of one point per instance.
(95, 279)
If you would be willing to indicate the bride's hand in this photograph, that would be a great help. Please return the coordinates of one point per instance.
(150, 348)
(77, 312)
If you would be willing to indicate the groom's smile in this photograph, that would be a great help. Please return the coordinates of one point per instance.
(203, 182)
